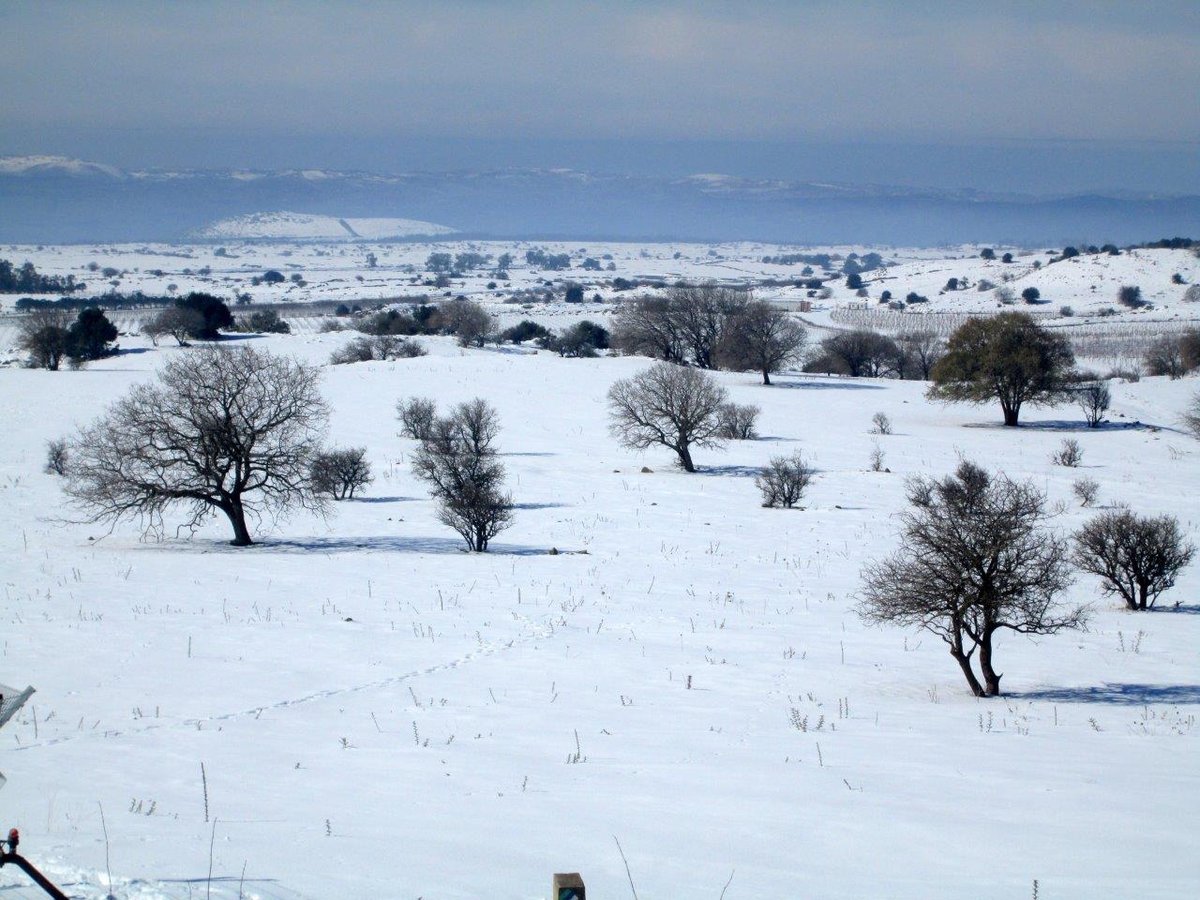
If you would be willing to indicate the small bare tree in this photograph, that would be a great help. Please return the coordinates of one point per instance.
(180, 322)
(675, 406)
(1191, 416)
(1086, 490)
(45, 335)
(975, 559)
(57, 456)
(339, 473)
(223, 430)
(1136, 557)
(467, 484)
(417, 415)
(1093, 398)
(783, 480)
(881, 424)
(738, 421)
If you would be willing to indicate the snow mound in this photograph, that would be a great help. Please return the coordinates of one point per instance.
(267, 226)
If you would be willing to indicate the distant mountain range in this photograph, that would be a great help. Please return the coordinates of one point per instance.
(48, 199)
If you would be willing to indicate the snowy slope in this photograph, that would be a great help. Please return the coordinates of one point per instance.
(290, 225)
(380, 714)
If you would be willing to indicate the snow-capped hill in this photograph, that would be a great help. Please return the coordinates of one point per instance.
(55, 165)
(303, 226)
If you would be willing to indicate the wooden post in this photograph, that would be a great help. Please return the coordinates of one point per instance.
(568, 886)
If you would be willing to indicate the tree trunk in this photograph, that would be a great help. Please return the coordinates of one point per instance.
(991, 681)
(1010, 414)
(766, 376)
(685, 458)
(237, 518)
(964, 663)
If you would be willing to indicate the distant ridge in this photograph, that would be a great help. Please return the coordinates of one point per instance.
(53, 199)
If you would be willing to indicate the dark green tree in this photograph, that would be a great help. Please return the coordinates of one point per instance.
(1007, 357)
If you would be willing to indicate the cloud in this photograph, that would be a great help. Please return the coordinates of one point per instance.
(754, 70)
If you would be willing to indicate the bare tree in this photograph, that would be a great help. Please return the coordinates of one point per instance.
(702, 313)
(924, 349)
(468, 485)
(783, 480)
(339, 473)
(670, 405)
(761, 337)
(975, 559)
(57, 457)
(473, 325)
(738, 421)
(859, 353)
(417, 415)
(180, 322)
(647, 326)
(1137, 557)
(45, 336)
(1093, 398)
(1191, 417)
(222, 430)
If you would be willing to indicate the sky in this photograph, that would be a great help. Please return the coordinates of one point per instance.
(1000, 95)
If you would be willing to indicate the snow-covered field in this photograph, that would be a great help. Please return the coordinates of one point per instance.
(379, 714)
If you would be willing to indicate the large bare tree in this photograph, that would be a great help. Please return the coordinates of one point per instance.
(675, 406)
(975, 559)
(229, 431)
(761, 337)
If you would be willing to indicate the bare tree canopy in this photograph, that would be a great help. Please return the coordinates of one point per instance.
(671, 405)
(761, 337)
(975, 559)
(1007, 357)
(686, 325)
(1137, 557)
(222, 430)
(339, 473)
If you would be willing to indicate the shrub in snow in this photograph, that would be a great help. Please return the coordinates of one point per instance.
(1093, 398)
(738, 421)
(881, 424)
(783, 480)
(57, 455)
(339, 473)
(1069, 454)
(1086, 490)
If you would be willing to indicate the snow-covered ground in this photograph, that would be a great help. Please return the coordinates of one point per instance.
(379, 714)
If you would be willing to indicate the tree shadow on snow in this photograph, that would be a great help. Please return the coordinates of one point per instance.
(1074, 425)
(540, 505)
(383, 499)
(832, 384)
(731, 471)
(1116, 693)
(382, 543)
